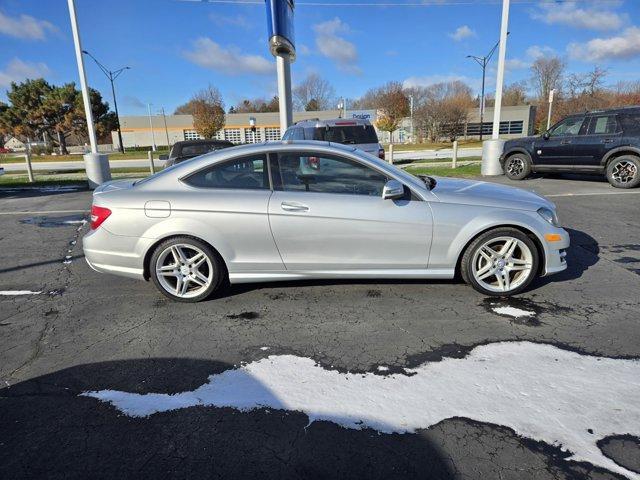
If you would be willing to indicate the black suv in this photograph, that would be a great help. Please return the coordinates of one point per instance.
(186, 149)
(605, 142)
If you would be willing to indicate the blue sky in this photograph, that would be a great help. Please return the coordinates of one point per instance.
(176, 47)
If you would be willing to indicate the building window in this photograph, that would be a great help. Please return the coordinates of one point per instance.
(516, 127)
(191, 135)
(252, 136)
(272, 133)
(232, 135)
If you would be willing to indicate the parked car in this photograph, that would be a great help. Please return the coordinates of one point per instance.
(187, 149)
(602, 142)
(5, 150)
(357, 132)
(250, 214)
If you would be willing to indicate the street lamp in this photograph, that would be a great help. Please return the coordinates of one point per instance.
(483, 62)
(112, 75)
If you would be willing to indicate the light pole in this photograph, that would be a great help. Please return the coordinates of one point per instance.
(112, 75)
(411, 111)
(551, 92)
(483, 62)
(153, 135)
(96, 165)
(252, 124)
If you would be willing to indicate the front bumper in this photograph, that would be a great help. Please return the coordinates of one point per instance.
(555, 253)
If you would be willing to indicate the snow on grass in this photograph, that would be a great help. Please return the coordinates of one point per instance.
(540, 391)
(513, 312)
(18, 292)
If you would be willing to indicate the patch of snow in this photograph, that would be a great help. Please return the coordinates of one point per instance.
(382, 368)
(18, 292)
(540, 391)
(264, 348)
(513, 312)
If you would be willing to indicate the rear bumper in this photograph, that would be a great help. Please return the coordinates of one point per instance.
(116, 254)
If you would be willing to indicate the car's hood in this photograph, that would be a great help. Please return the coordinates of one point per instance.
(471, 192)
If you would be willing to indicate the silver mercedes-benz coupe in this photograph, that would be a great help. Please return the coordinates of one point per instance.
(310, 210)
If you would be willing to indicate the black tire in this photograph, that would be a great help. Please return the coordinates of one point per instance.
(624, 171)
(517, 166)
(466, 263)
(217, 273)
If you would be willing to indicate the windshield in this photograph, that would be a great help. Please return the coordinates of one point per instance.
(349, 135)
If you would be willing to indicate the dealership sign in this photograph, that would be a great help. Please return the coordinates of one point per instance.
(362, 115)
(280, 27)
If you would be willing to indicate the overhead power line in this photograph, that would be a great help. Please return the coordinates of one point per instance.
(424, 3)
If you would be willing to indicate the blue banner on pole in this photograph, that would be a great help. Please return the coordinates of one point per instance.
(280, 26)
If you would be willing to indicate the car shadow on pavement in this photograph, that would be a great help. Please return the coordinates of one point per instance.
(582, 254)
(48, 430)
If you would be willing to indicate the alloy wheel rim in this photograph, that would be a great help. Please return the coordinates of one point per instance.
(515, 166)
(624, 171)
(184, 270)
(502, 264)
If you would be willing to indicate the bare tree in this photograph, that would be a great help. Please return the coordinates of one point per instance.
(443, 108)
(546, 75)
(512, 95)
(256, 105)
(314, 93)
(391, 102)
(208, 111)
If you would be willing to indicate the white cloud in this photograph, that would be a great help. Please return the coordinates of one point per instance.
(233, 20)
(336, 48)
(17, 70)
(428, 80)
(230, 60)
(574, 15)
(622, 46)
(25, 26)
(462, 32)
(533, 53)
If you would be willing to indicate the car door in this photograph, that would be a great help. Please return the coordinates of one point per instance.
(603, 134)
(327, 213)
(556, 149)
(228, 201)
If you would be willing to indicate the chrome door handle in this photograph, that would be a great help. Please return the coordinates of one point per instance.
(607, 140)
(294, 207)
(565, 142)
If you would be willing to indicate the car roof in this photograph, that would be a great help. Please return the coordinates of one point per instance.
(629, 109)
(333, 122)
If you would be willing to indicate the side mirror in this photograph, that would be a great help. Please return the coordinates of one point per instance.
(392, 189)
(546, 135)
(163, 157)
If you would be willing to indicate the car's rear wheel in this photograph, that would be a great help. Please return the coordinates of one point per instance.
(624, 171)
(517, 166)
(500, 262)
(186, 269)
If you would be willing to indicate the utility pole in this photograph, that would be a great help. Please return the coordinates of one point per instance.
(413, 140)
(153, 136)
(112, 76)
(166, 130)
(483, 62)
(96, 165)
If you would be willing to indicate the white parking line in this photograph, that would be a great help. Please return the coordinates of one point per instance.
(586, 194)
(18, 292)
(43, 212)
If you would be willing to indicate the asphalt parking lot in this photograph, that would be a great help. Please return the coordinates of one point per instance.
(71, 338)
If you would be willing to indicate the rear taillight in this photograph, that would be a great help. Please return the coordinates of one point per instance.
(381, 153)
(98, 215)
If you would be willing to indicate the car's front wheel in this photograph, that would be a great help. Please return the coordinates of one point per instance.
(500, 262)
(186, 269)
(517, 166)
(624, 171)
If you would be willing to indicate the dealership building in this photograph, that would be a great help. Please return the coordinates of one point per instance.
(143, 131)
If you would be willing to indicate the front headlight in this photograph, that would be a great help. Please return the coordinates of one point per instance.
(549, 215)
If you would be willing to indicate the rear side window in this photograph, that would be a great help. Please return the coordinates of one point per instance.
(346, 134)
(200, 148)
(603, 125)
(243, 173)
(631, 123)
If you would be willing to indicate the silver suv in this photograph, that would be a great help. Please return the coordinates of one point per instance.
(357, 132)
